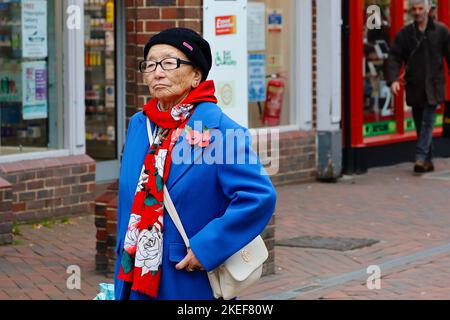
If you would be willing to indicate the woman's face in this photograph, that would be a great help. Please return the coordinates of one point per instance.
(172, 86)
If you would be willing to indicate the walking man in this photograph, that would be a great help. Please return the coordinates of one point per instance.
(421, 48)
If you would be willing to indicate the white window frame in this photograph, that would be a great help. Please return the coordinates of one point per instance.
(329, 88)
(74, 80)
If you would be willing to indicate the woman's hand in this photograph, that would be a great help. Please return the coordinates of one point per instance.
(190, 262)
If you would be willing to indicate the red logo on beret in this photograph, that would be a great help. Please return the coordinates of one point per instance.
(187, 45)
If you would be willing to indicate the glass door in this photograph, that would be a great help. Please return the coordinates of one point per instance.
(101, 96)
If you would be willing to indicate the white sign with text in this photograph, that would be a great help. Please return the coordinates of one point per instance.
(225, 28)
(34, 29)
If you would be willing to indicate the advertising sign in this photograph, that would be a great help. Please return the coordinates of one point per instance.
(256, 77)
(225, 28)
(34, 90)
(34, 29)
(225, 25)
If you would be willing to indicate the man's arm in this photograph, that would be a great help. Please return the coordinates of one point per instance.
(397, 57)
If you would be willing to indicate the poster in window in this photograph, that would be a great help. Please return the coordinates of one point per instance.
(256, 28)
(34, 90)
(34, 29)
(275, 20)
(256, 77)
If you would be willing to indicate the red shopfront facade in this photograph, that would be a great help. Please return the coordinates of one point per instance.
(378, 127)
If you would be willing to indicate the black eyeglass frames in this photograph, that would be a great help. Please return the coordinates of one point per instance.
(167, 64)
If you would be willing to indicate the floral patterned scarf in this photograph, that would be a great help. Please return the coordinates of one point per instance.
(141, 262)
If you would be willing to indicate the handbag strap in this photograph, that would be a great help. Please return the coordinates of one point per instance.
(168, 203)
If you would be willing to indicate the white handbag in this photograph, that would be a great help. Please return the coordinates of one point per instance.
(239, 271)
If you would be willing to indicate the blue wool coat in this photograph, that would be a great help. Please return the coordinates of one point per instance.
(222, 206)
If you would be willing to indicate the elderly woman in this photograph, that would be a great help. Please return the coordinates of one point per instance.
(223, 204)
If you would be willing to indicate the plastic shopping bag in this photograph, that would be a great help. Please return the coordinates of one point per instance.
(106, 292)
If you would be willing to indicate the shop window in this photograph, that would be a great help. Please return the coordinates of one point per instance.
(28, 85)
(100, 62)
(270, 62)
(379, 111)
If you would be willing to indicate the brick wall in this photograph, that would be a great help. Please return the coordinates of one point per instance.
(145, 18)
(6, 216)
(50, 188)
(297, 158)
(106, 223)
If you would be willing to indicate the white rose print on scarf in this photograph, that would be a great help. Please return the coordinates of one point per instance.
(181, 112)
(149, 250)
(143, 179)
(160, 161)
(131, 237)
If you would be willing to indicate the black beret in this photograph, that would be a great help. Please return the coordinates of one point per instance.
(189, 42)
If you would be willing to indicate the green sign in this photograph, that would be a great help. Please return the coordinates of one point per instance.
(439, 120)
(379, 128)
(410, 126)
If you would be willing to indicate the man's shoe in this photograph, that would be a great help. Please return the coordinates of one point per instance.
(419, 167)
(429, 166)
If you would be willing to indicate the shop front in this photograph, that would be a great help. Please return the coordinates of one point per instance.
(44, 169)
(378, 127)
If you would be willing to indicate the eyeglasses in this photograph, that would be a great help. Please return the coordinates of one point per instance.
(167, 64)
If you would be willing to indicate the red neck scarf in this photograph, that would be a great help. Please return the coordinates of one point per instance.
(142, 256)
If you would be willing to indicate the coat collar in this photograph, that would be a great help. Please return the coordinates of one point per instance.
(209, 114)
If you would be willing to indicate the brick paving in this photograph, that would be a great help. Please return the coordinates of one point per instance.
(408, 215)
(36, 266)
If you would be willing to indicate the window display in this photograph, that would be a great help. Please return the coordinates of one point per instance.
(26, 30)
(379, 104)
(379, 112)
(270, 27)
(100, 79)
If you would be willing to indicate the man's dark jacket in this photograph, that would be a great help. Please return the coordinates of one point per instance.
(429, 53)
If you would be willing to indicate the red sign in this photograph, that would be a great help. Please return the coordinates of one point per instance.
(225, 25)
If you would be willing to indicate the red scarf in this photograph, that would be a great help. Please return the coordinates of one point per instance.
(141, 262)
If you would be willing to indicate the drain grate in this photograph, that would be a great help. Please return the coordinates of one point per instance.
(442, 175)
(329, 243)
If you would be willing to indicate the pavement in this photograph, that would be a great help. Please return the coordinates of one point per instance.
(408, 215)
